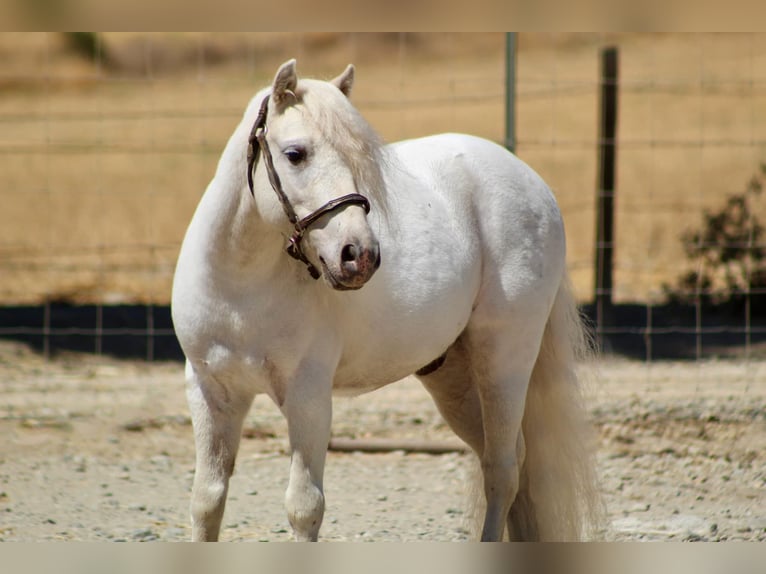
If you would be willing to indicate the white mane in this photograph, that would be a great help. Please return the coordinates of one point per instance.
(343, 128)
(349, 133)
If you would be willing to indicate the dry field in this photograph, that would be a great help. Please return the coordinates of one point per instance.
(99, 449)
(103, 161)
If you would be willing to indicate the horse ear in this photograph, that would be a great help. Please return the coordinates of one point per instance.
(345, 81)
(285, 82)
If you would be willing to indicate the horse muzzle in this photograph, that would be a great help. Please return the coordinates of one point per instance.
(356, 266)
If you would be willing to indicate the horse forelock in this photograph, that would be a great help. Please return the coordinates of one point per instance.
(346, 130)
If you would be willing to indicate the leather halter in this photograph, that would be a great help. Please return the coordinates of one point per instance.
(256, 144)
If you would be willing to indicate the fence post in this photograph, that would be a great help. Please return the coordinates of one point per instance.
(606, 188)
(510, 91)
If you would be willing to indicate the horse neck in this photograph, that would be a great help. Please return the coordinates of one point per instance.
(235, 231)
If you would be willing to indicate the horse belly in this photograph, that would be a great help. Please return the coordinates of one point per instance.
(392, 358)
(397, 337)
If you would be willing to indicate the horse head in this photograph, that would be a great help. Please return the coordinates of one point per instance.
(322, 163)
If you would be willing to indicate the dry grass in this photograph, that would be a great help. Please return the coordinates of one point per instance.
(102, 163)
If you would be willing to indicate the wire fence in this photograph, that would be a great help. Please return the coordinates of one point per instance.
(104, 155)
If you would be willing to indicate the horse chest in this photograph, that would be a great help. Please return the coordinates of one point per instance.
(249, 343)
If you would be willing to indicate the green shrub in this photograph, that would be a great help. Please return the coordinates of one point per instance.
(728, 256)
(86, 44)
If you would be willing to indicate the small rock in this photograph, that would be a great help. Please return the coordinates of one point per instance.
(175, 533)
(144, 535)
(694, 537)
(162, 461)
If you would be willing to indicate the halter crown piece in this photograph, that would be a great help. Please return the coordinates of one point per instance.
(256, 144)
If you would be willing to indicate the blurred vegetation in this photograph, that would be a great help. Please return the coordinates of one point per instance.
(88, 45)
(728, 255)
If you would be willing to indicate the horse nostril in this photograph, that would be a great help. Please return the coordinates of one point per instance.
(349, 253)
(377, 260)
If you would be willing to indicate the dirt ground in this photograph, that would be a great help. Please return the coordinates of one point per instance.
(100, 449)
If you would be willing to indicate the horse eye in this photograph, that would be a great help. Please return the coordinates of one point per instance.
(295, 155)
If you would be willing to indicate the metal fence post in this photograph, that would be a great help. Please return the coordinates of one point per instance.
(510, 91)
(606, 187)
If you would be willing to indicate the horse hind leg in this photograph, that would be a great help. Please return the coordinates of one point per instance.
(502, 361)
(217, 417)
(522, 518)
(558, 498)
(455, 391)
(456, 397)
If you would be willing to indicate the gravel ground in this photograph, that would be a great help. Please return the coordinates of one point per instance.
(101, 449)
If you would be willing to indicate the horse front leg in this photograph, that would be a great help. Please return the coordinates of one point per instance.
(308, 409)
(217, 416)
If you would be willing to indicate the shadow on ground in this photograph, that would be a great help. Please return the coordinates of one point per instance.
(124, 331)
(678, 332)
(636, 331)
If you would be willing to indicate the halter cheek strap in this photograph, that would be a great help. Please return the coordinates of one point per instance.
(256, 144)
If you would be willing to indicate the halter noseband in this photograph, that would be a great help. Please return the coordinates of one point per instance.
(256, 144)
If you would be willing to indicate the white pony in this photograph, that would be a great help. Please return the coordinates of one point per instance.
(442, 256)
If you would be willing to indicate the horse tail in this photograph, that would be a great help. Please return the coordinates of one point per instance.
(559, 492)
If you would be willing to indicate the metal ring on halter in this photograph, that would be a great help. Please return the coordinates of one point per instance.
(294, 243)
(256, 145)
